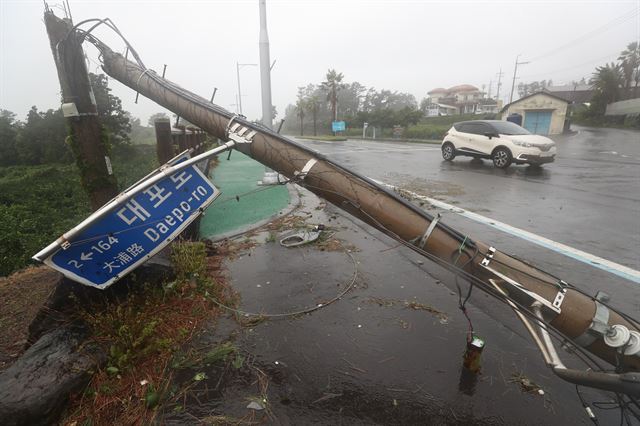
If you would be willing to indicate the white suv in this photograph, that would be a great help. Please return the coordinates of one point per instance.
(503, 142)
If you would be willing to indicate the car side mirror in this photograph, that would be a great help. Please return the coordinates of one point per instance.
(491, 135)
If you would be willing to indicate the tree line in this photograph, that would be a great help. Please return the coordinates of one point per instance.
(42, 138)
(317, 105)
(615, 81)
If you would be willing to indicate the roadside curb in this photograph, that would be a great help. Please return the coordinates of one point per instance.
(294, 204)
(423, 141)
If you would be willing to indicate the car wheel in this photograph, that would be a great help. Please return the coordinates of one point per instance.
(501, 158)
(448, 151)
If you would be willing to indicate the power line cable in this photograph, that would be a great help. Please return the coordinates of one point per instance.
(571, 67)
(615, 22)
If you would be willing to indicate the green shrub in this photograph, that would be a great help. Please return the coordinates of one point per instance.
(40, 203)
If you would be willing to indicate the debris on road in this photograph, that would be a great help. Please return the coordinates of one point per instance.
(253, 405)
(302, 237)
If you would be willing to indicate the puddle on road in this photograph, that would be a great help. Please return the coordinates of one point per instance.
(426, 187)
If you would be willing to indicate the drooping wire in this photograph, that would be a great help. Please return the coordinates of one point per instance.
(581, 353)
(462, 303)
(587, 407)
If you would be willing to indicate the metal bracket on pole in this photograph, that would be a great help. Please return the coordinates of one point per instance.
(488, 257)
(531, 296)
(429, 231)
(557, 302)
(238, 133)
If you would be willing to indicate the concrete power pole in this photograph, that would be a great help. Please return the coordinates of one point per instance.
(79, 107)
(265, 68)
(270, 177)
(515, 72)
(500, 74)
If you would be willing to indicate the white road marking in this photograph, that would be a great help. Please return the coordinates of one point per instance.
(385, 150)
(590, 259)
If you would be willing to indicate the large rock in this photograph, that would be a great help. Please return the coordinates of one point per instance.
(34, 390)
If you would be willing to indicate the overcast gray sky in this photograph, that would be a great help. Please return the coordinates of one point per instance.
(409, 46)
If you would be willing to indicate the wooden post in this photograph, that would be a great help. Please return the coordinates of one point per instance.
(182, 139)
(86, 135)
(190, 138)
(164, 145)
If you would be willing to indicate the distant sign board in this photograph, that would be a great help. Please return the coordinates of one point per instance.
(338, 126)
(133, 232)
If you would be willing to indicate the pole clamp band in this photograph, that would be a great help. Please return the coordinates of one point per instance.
(599, 324)
(300, 175)
(429, 231)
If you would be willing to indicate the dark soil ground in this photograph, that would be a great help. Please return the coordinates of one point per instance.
(22, 295)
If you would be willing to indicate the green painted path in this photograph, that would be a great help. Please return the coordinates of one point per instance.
(239, 177)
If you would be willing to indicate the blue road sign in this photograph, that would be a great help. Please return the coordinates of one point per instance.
(123, 239)
(338, 126)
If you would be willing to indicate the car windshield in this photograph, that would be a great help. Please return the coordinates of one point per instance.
(509, 128)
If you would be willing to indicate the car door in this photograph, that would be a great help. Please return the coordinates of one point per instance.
(461, 141)
(477, 140)
(484, 144)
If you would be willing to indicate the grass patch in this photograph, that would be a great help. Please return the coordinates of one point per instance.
(144, 335)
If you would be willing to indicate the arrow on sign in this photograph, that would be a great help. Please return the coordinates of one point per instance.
(86, 256)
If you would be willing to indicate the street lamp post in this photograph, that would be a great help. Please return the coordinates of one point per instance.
(270, 177)
(238, 65)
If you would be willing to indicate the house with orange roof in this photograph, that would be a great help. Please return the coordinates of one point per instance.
(460, 99)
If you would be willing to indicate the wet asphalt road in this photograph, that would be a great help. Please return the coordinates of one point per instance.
(372, 359)
(589, 199)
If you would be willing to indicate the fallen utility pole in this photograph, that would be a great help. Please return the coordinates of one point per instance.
(550, 304)
(567, 310)
(86, 135)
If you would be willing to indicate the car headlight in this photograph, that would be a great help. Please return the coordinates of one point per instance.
(524, 144)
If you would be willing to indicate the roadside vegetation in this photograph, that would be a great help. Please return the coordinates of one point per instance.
(398, 115)
(40, 192)
(146, 337)
(38, 203)
(612, 82)
(393, 114)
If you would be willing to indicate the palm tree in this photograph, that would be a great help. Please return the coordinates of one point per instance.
(333, 85)
(630, 64)
(606, 82)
